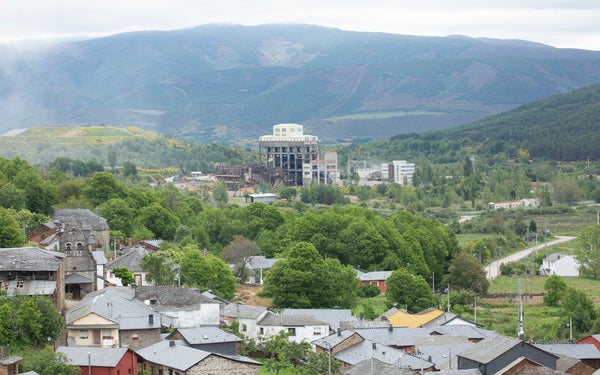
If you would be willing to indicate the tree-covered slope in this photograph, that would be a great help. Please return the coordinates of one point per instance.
(229, 82)
(564, 127)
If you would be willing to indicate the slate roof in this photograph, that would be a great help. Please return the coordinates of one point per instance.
(172, 297)
(116, 304)
(490, 348)
(473, 333)
(88, 219)
(205, 335)
(373, 276)
(374, 366)
(298, 320)
(182, 357)
(364, 324)
(368, 349)
(333, 317)
(472, 371)
(579, 351)
(443, 356)
(238, 311)
(260, 261)
(99, 357)
(75, 278)
(99, 257)
(333, 340)
(394, 337)
(130, 260)
(29, 259)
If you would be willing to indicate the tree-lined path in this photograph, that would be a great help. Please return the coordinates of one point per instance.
(493, 269)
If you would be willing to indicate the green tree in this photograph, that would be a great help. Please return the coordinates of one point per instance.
(160, 220)
(47, 362)
(588, 250)
(409, 291)
(129, 169)
(555, 288)
(219, 193)
(465, 272)
(125, 275)
(102, 187)
(11, 235)
(119, 214)
(207, 273)
(159, 269)
(305, 280)
(575, 304)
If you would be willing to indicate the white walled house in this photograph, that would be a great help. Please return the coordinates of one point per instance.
(180, 307)
(560, 264)
(130, 260)
(300, 327)
(247, 317)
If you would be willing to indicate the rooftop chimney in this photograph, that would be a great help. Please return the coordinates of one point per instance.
(171, 343)
(339, 331)
(390, 327)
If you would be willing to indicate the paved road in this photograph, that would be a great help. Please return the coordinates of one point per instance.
(493, 269)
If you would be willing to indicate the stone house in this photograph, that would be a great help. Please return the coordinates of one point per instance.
(31, 271)
(168, 357)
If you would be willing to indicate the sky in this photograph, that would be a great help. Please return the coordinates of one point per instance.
(558, 23)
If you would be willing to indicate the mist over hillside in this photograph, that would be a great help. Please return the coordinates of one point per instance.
(231, 84)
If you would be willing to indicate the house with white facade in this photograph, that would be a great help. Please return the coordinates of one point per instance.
(300, 327)
(560, 264)
(180, 307)
(130, 259)
(246, 316)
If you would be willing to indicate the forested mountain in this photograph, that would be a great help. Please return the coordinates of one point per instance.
(564, 127)
(228, 83)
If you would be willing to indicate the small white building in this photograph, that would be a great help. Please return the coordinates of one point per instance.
(560, 264)
(261, 197)
(398, 171)
(300, 327)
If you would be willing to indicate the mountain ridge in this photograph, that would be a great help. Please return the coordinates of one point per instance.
(232, 83)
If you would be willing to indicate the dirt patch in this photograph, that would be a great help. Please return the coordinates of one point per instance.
(247, 294)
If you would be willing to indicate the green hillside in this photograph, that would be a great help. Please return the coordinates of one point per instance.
(564, 127)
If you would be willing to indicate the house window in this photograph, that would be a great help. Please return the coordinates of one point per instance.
(69, 247)
(244, 327)
(106, 334)
(261, 331)
(317, 331)
(292, 331)
(83, 334)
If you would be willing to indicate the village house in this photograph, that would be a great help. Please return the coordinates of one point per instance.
(32, 271)
(560, 264)
(180, 306)
(209, 339)
(111, 317)
(130, 259)
(493, 354)
(376, 278)
(333, 317)
(298, 326)
(168, 357)
(101, 360)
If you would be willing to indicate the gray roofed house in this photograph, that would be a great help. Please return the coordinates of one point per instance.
(247, 316)
(368, 349)
(131, 260)
(333, 317)
(300, 327)
(494, 353)
(257, 265)
(579, 351)
(444, 355)
(171, 356)
(473, 333)
(453, 372)
(114, 310)
(31, 270)
(111, 360)
(210, 339)
(90, 220)
(399, 338)
(180, 306)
